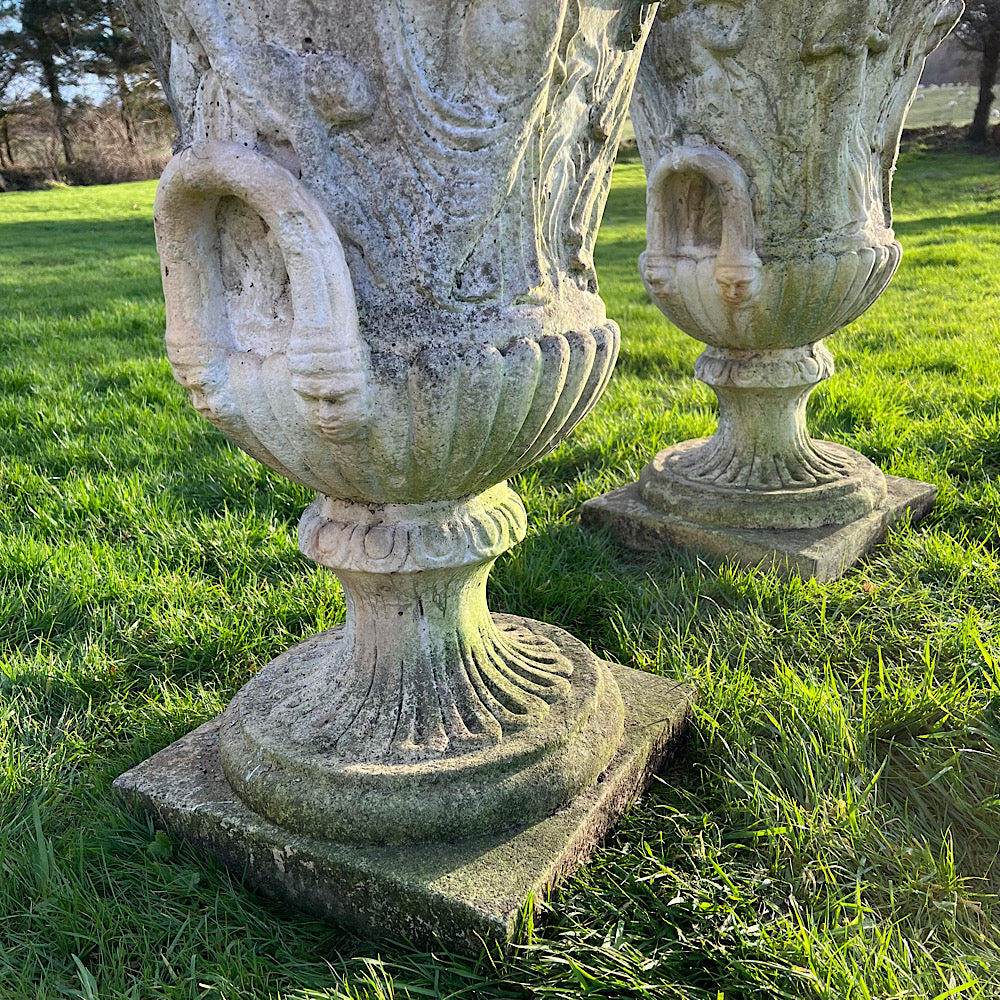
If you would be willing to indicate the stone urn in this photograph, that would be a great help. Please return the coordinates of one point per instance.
(376, 243)
(769, 135)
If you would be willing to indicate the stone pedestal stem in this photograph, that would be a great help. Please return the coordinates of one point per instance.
(426, 670)
(424, 717)
(762, 441)
(761, 469)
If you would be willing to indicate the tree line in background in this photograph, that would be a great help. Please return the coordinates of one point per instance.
(79, 98)
(979, 30)
(116, 125)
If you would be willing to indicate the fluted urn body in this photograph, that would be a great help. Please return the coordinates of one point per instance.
(376, 241)
(769, 134)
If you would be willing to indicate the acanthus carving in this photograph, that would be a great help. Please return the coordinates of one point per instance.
(780, 369)
(418, 760)
(471, 142)
(817, 136)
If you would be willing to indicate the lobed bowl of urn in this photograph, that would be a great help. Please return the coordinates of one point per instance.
(290, 379)
(706, 270)
(780, 303)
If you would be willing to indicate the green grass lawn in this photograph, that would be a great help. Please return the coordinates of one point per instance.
(832, 830)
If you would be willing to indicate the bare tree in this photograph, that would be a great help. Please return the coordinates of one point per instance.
(979, 30)
(115, 55)
(10, 67)
(52, 38)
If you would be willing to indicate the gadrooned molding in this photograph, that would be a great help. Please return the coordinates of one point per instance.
(500, 759)
(412, 538)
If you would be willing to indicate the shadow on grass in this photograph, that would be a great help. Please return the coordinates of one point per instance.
(586, 582)
(66, 242)
(38, 610)
(947, 786)
(62, 270)
(972, 461)
(207, 476)
(940, 226)
(568, 463)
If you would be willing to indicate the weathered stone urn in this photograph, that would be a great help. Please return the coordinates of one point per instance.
(376, 252)
(769, 134)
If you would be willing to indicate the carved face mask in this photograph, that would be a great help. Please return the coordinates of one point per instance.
(737, 283)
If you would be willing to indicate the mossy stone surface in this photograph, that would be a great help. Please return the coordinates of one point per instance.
(822, 554)
(464, 894)
(351, 786)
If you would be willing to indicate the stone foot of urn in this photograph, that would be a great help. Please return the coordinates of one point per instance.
(376, 244)
(769, 134)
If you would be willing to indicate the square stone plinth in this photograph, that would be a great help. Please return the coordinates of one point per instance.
(466, 894)
(821, 553)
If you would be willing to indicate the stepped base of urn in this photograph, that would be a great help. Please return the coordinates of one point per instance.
(281, 758)
(851, 488)
(462, 894)
(822, 553)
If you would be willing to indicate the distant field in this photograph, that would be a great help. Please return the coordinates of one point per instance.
(950, 105)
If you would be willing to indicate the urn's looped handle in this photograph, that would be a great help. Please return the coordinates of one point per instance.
(737, 266)
(327, 360)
